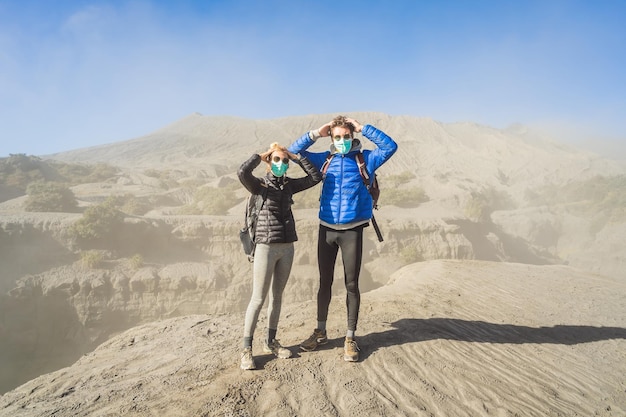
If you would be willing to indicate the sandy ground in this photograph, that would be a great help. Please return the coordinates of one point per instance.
(444, 338)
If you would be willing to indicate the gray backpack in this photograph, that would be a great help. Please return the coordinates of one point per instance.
(247, 234)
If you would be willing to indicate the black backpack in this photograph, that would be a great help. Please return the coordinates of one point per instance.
(371, 183)
(247, 234)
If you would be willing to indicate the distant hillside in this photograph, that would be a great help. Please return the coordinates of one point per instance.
(19, 170)
(197, 140)
(464, 155)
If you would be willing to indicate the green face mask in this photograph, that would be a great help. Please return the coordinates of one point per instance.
(279, 168)
(343, 146)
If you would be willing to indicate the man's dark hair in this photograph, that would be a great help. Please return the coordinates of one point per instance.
(341, 121)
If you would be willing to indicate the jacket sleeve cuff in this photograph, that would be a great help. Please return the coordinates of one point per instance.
(314, 134)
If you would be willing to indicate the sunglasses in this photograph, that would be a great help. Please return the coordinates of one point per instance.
(277, 158)
(344, 137)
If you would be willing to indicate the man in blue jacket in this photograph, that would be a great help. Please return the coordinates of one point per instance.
(345, 209)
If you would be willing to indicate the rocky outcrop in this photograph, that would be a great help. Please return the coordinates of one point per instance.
(442, 338)
(188, 265)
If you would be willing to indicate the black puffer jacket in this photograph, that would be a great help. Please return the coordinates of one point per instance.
(276, 223)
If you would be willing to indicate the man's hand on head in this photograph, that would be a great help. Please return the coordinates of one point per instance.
(357, 126)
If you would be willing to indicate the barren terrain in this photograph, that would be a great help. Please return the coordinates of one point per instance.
(462, 338)
(499, 288)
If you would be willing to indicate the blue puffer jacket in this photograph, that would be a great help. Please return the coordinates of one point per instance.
(345, 198)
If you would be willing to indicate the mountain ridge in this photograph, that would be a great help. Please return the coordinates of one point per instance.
(208, 133)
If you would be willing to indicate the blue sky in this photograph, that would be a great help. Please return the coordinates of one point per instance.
(81, 73)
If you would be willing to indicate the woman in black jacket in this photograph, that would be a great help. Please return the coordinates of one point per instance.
(275, 234)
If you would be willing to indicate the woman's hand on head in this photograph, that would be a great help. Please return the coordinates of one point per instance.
(266, 156)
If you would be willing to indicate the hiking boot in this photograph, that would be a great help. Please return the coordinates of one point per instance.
(317, 338)
(247, 360)
(275, 348)
(350, 350)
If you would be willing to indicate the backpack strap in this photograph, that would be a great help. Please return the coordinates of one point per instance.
(326, 164)
(363, 170)
(257, 206)
(266, 187)
(263, 196)
(371, 185)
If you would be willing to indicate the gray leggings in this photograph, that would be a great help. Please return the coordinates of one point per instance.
(273, 259)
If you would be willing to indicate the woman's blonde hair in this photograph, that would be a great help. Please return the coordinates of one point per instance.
(275, 147)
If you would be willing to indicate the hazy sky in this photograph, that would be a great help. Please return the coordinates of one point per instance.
(81, 73)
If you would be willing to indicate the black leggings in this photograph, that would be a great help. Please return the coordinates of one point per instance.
(328, 244)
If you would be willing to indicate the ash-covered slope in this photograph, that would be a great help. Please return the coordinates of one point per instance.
(194, 142)
(450, 150)
(443, 338)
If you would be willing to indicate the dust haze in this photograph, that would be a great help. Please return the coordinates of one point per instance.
(500, 278)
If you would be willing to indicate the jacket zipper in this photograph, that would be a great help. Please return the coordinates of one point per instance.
(340, 190)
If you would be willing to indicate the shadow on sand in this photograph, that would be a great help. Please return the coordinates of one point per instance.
(419, 330)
